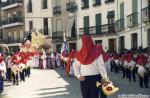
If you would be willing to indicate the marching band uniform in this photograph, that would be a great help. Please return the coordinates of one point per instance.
(89, 68)
(58, 59)
(69, 63)
(36, 60)
(143, 77)
(130, 68)
(2, 74)
(7, 61)
(41, 61)
(122, 61)
(15, 69)
(48, 60)
(52, 60)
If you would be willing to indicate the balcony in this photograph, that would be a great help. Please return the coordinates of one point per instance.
(12, 21)
(84, 4)
(57, 35)
(11, 40)
(146, 14)
(71, 7)
(99, 30)
(120, 24)
(11, 4)
(57, 10)
(109, 1)
(132, 20)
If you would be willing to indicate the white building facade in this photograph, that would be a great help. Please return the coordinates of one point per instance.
(12, 29)
(38, 17)
(64, 24)
(116, 24)
(97, 18)
(133, 20)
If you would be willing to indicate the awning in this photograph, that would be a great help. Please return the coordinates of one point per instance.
(69, 26)
(111, 14)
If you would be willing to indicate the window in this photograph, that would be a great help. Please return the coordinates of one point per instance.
(111, 21)
(121, 22)
(134, 41)
(73, 30)
(44, 4)
(86, 25)
(121, 43)
(29, 6)
(98, 23)
(84, 4)
(45, 26)
(30, 25)
(96, 2)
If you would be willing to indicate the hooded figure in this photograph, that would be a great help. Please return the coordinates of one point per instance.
(89, 67)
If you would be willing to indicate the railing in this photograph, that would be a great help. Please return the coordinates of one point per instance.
(120, 24)
(57, 10)
(10, 2)
(57, 35)
(71, 7)
(108, 1)
(10, 40)
(132, 19)
(146, 14)
(96, 30)
(12, 20)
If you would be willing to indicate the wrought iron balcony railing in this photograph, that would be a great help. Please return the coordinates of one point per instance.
(11, 40)
(12, 20)
(109, 1)
(132, 19)
(146, 14)
(98, 30)
(120, 24)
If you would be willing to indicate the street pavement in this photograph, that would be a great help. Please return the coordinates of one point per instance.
(54, 84)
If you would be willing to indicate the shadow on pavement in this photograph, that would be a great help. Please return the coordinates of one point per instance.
(69, 91)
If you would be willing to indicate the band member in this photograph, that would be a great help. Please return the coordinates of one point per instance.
(15, 68)
(130, 68)
(70, 60)
(7, 61)
(143, 77)
(36, 60)
(122, 64)
(58, 59)
(2, 73)
(48, 60)
(89, 67)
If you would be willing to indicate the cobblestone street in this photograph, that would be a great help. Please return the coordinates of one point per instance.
(54, 84)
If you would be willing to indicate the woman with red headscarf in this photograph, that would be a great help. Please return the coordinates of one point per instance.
(89, 67)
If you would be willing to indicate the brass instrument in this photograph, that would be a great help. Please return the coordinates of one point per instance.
(107, 87)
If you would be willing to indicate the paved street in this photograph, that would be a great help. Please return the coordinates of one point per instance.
(54, 84)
